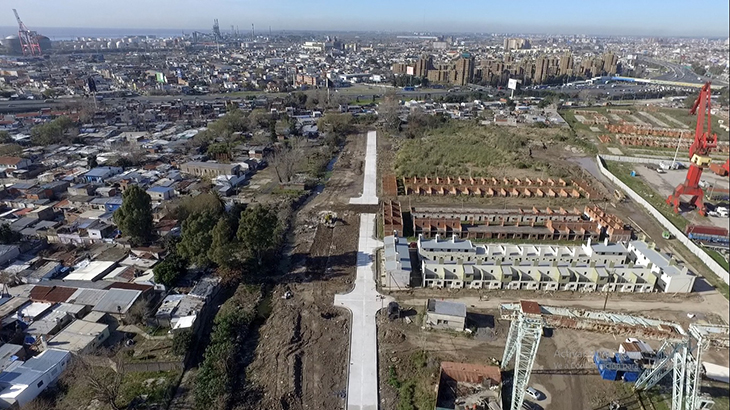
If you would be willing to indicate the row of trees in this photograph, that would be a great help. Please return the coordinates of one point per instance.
(211, 236)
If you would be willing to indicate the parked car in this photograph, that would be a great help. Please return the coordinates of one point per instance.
(532, 392)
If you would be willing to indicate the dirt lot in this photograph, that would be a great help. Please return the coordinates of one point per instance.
(563, 370)
(301, 358)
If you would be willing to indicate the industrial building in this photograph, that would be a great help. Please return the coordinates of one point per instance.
(591, 267)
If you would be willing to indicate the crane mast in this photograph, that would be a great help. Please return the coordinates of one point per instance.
(699, 154)
(28, 41)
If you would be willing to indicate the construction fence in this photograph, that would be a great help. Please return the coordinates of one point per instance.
(668, 225)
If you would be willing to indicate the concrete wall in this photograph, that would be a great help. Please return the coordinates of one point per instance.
(635, 160)
(681, 237)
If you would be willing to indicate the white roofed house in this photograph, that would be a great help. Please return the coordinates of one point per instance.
(21, 382)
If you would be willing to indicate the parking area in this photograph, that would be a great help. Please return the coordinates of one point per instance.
(664, 184)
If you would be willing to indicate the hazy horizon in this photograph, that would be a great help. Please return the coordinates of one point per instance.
(648, 18)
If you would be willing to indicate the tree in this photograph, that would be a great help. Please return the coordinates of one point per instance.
(285, 159)
(209, 201)
(52, 132)
(258, 231)
(7, 235)
(182, 341)
(389, 111)
(91, 161)
(222, 247)
(134, 217)
(102, 381)
(196, 237)
(272, 129)
(5, 137)
(169, 270)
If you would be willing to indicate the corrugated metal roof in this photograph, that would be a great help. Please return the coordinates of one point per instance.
(447, 308)
(117, 301)
(89, 297)
(51, 293)
(471, 373)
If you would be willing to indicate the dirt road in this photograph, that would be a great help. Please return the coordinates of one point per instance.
(705, 304)
(301, 359)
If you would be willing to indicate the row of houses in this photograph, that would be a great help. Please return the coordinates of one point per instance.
(634, 266)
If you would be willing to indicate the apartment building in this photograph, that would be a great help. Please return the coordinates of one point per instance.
(590, 267)
(454, 250)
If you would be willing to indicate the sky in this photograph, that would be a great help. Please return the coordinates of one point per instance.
(696, 18)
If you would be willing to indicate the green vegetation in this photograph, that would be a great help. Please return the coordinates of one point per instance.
(468, 149)
(259, 231)
(196, 238)
(182, 341)
(217, 378)
(7, 235)
(134, 217)
(153, 388)
(170, 269)
(53, 132)
(415, 383)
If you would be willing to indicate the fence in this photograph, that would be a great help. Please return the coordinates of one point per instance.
(153, 366)
(669, 226)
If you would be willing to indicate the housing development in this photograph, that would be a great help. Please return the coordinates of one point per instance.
(227, 219)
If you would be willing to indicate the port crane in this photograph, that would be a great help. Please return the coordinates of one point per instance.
(699, 154)
(28, 41)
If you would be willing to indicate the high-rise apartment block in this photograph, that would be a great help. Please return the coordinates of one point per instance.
(516, 44)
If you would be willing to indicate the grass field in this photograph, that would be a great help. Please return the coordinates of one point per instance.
(465, 148)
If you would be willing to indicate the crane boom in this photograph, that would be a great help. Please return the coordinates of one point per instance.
(28, 41)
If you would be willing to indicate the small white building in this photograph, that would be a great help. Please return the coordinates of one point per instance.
(445, 315)
(21, 382)
(672, 278)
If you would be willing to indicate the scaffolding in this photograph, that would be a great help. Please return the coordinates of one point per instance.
(522, 342)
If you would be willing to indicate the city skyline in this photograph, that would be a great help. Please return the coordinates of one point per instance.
(647, 18)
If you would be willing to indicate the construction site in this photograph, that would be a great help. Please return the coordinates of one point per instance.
(569, 349)
(338, 337)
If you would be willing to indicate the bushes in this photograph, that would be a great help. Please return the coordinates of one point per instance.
(217, 377)
(460, 149)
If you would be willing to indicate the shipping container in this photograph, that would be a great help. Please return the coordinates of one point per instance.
(705, 230)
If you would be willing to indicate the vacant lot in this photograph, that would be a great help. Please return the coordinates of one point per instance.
(464, 148)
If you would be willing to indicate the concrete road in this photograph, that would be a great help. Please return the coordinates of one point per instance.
(364, 302)
(369, 195)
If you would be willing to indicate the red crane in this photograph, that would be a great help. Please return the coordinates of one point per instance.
(699, 154)
(28, 41)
